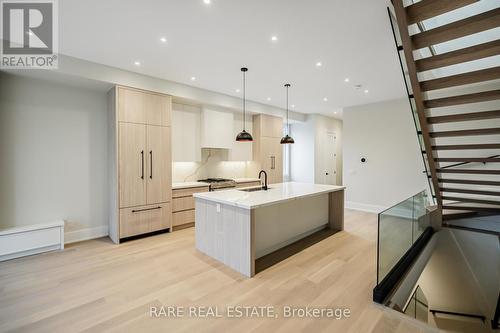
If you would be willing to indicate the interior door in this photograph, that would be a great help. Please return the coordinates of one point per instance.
(132, 164)
(330, 159)
(158, 164)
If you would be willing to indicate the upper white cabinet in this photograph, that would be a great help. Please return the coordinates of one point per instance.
(217, 129)
(241, 151)
(186, 138)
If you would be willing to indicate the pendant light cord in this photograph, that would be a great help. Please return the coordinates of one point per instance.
(244, 97)
(287, 122)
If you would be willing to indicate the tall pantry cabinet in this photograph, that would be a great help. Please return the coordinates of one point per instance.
(140, 162)
(267, 150)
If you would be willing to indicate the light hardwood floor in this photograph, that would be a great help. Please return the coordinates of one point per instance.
(99, 286)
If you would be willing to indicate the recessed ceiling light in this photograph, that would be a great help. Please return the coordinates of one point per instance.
(274, 38)
(293, 105)
(334, 112)
(163, 40)
(237, 90)
(325, 99)
(346, 79)
(193, 78)
(137, 63)
(269, 98)
(366, 91)
(207, 2)
(319, 64)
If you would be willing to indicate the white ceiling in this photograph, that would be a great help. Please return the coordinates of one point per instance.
(351, 38)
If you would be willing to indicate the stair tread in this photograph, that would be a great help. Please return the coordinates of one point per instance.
(487, 74)
(468, 159)
(469, 171)
(470, 132)
(469, 191)
(469, 181)
(459, 56)
(468, 26)
(464, 117)
(483, 96)
(472, 200)
(470, 208)
(467, 146)
(429, 8)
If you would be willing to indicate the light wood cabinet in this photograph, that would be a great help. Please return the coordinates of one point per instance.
(159, 165)
(132, 164)
(267, 149)
(144, 219)
(267, 125)
(142, 107)
(183, 206)
(140, 162)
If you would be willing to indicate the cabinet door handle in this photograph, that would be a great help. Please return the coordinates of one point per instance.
(150, 164)
(273, 165)
(145, 209)
(142, 164)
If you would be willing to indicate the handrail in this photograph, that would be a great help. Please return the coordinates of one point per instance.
(410, 96)
(416, 300)
(494, 322)
(463, 163)
(483, 318)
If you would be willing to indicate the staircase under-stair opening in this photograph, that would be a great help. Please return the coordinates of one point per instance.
(449, 52)
(450, 55)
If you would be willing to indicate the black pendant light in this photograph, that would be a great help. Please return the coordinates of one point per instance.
(287, 139)
(244, 135)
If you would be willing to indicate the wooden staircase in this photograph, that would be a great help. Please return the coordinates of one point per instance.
(451, 129)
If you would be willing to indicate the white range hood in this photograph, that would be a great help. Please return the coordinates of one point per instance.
(217, 129)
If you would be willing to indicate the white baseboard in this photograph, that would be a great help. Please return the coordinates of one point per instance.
(86, 234)
(364, 207)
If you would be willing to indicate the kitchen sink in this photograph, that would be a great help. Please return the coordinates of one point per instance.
(252, 189)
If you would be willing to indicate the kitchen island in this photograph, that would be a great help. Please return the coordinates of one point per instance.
(239, 226)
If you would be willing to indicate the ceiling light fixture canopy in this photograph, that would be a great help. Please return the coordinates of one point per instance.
(244, 135)
(287, 139)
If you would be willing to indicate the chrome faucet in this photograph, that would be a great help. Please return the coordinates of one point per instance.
(265, 179)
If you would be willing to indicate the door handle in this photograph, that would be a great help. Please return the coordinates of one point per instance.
(145, 209)
(150, 164)
(142, 164)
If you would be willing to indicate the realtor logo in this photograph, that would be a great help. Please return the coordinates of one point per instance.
(29, 34)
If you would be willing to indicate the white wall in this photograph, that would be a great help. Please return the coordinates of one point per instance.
(53, 155)
(83, 69)
(324, 125)
(307, 156)
(383, 133)
(302, 151)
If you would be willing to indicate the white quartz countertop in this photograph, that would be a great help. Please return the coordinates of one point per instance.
(275, 194)
(176, 186)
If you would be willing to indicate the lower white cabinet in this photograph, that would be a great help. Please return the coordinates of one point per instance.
(26, 240)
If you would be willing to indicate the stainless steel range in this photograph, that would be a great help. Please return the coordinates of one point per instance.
(219, 184)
